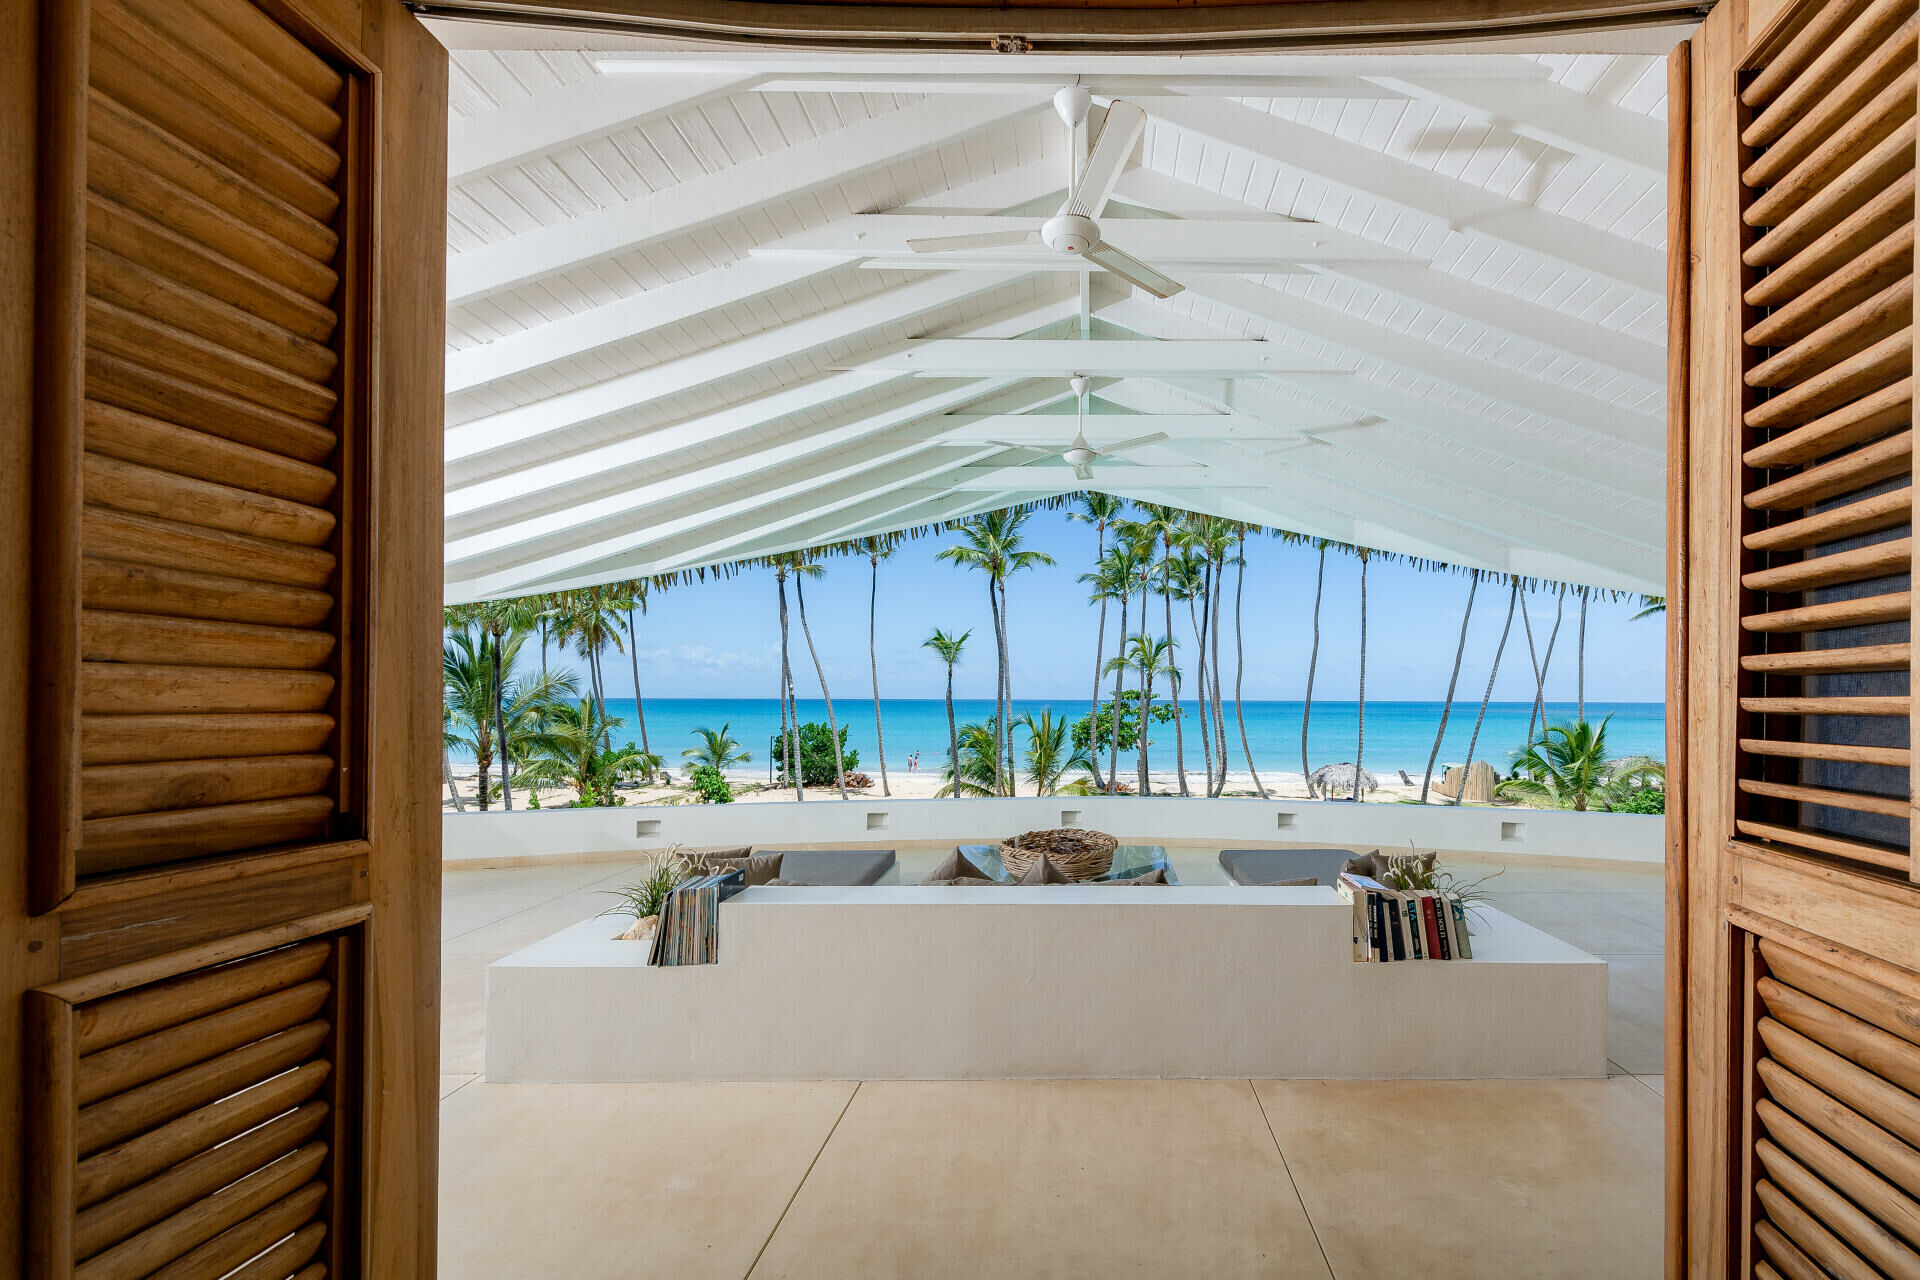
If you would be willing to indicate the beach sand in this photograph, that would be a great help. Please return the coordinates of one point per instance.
(751, 788)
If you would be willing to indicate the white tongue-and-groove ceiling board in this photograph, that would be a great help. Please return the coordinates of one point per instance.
(1422, 310)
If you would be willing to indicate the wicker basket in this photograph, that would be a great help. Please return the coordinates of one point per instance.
(1080, 854)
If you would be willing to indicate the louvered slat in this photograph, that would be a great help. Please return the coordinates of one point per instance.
(1834, 1121)
(1828, 442)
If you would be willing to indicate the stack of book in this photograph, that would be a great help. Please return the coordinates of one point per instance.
(689, 931)
(1404, 924)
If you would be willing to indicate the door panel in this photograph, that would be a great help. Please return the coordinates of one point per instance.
(229, 998)
(1799, 962)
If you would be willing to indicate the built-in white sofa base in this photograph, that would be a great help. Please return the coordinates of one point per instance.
(934, 983)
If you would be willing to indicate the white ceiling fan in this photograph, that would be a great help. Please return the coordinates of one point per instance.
(1079, 454)
(1073, 230)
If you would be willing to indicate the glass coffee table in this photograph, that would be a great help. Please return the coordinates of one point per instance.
(1130, 861)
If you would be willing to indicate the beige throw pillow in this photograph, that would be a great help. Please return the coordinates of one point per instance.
(956, 868)
(758, 868)
(1045, 872)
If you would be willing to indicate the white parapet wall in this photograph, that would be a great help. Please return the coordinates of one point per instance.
(1249, 823)
(1067, 981)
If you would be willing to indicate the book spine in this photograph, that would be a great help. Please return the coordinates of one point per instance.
(1430, 922)
(1443, 926)
(1416, 937)
(1396, 930)
(1462, 935)
(1376, 935)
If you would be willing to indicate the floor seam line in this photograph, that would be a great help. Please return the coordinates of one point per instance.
(798, 1186)
(1287, 1169)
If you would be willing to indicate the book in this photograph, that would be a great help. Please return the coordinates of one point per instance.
(1442, 925)
(1463, 946)
(1396, 929)
(1416, 939)
(1430, 925)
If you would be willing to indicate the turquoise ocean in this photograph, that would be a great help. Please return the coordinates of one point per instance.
(1399, 734)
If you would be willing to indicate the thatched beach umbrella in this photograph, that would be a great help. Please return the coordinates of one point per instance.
(1333, 779)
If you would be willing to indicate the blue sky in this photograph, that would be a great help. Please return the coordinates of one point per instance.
(721, 638)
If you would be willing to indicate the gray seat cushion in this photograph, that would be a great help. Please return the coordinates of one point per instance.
(1272, 866)
(831, 866)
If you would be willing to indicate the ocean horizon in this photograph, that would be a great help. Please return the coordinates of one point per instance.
(1399, 734)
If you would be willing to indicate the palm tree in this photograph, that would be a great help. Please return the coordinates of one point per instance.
(1360, 750)
(1117, 574)
(1098, 510)
(1165, 523)
(634, 593)
(448, 741)
(974, 747)
(1240, 665)
(992, 544)
(498, 619)
(1050, 753)
(1313, 661)
(466, 672)
(1446, 708)
(1650, 606)
(1513, 598)
(789, 709)
(590, 618)
(1580, 659)
(1188, 574)
(1539, 709)
(949, 647)
(715, 749)
(803, 568)
(1568, 768)
(877, 549)
(1217, 541)
(565, 748)
(1151, 656)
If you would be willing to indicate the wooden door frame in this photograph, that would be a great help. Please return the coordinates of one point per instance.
(405, 77)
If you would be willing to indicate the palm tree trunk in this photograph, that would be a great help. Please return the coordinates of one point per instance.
(786, 692)
(446, 773)
(1513, 598)
(1360, 749)
(1173, 681)
(1119, 673)
(833, 726)
(1581, 682)
(1239, 670)
(1533, 658)
(1219, 576)
(1146, 641)
(1006, 684)
(999, 684)
(1446, 708)
(1546, 659)
(953, 735)
(1200, 687)
(1313, 661)
(639, 707)
(873, 659)
(500, 720)
(1093, 712)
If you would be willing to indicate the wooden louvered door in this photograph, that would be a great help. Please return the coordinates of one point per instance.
(1795, 951)
(223, 607)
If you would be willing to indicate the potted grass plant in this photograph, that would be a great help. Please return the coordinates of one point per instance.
(643, 898)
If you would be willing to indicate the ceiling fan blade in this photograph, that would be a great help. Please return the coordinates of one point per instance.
(1132, 270)
(979, 240)
(1111, 151)
(1138, 442)
(1082, 471)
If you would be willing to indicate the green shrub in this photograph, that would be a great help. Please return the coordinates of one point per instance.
(710, 784)
(816, 755)
(1645, 800)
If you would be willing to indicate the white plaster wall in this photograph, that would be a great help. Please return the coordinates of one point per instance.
(1069, 981)
(1247, 823)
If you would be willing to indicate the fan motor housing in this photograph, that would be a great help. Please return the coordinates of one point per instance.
(1070, 233)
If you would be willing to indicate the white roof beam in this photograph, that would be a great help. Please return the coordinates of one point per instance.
(1103, 429)
(1546, 112)
(1064, 357)
(706, 291)
(1637, 474)
(846, 153)
(1356, 456)
(1416, 355)
(1194, 83)
(781, 342)
(752, 458)
(1059, 476)
(1419, 192)
(572, 115)
(1174, 245)
(1425, 285)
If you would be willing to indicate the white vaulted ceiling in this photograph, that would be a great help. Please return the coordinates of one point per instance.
(684, 328)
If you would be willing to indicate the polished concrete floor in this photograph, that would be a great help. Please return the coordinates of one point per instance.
(1091, 1178)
